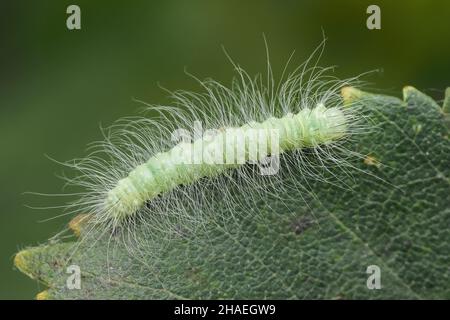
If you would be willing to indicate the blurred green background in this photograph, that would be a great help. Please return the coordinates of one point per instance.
(57, 86)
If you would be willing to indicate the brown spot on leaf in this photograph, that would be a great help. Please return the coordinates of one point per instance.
(301, 224)
(372, 161)
(77, 223)
(43, 295)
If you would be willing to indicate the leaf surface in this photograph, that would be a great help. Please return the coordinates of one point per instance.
(394, 212)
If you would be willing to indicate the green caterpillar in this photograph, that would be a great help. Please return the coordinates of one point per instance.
(165, 171)
(139, 178)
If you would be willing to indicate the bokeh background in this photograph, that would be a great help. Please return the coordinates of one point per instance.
(57, 86)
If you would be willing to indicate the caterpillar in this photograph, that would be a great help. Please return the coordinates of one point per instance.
(142, 176)
(165, 171)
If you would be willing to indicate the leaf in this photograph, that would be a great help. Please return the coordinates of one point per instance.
(292, 250)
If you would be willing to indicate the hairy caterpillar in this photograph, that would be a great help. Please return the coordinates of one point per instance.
(165, 171)
(138, 178)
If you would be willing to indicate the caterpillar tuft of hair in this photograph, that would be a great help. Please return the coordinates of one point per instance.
(254, 138)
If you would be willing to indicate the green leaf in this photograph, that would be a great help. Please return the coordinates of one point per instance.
(293, 250)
